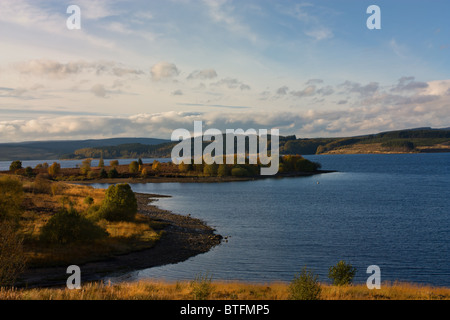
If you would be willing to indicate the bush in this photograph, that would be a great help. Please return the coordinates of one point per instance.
(103, 174)
(120, 204)
(305, 286)
(133, 167)
(29, 172)
(113, 173)
(68, 226)
(201, 287)
(342, 274)
(15, 165)
(11, 197)
(88, 200)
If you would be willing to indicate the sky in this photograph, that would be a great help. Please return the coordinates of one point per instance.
(145, 68)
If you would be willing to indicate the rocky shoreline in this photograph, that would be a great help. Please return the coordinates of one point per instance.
(184, 237)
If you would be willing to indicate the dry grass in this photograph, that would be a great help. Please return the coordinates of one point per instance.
(124, 237)
(157, 290)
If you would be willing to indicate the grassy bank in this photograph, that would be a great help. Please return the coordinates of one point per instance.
(157, 290)
(40, 205)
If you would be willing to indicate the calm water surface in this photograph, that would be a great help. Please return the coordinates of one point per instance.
(389, 210)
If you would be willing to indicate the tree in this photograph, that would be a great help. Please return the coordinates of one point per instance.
(15, 165)
(29, 172)
(305, 286)
(134, 167)
(156, 166)
(54, 169)
(101, 162)
(11, 197)
(86, 166)
(342, 274)
(120, 204)
(140, 162)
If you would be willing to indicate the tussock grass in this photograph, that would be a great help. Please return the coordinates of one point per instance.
(124, 237)
(183, 290)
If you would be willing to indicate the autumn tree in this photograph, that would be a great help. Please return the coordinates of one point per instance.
(54, 169)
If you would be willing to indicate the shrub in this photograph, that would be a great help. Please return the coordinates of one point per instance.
(88, 200)
(15, 165)
(113, 173)
(68, 226)
(201, 287)
(103, 174)
(133, 167)
(342, 274)
(29, 172)
(305, 286)
(120, 204)
(11, 197)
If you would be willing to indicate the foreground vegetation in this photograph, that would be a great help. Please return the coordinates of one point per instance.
(47, 223)
(191, 290)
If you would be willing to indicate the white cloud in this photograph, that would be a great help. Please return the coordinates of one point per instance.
(164, 70)
(56, 69)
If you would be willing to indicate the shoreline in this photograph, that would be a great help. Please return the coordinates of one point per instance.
(196, 179)
(184, 238)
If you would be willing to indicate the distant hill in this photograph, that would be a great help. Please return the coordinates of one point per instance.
(41, 150)
(399, 141)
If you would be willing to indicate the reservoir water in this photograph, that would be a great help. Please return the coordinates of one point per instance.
(387, 210)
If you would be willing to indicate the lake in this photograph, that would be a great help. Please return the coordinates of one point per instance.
(387, 210)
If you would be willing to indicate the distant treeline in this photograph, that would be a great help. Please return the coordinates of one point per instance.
(402, 140)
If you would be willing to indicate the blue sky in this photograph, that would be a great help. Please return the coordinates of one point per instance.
(145, 68)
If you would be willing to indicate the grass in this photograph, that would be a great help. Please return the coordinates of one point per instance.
(39, 206)
(183, 290)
